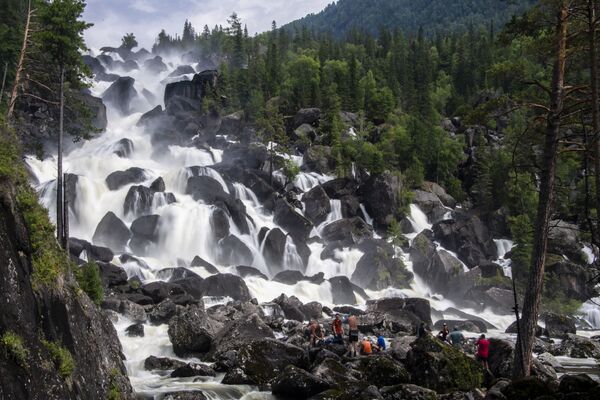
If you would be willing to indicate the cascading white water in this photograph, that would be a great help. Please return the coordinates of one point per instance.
(504, 246)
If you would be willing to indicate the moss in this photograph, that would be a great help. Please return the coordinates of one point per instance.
(498, 280)
(15, 348)
(464, 373)
(90, 282)
(62, 358)
(114, 392)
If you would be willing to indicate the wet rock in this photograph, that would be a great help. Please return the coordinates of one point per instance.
(442, 368)
(118, 179)
(274, 249)
(349, 231)
(121, 94)
(150, 116)
(184, 395)
(298, 384)
(548, 360)
(577, 347)
(265, 359)
(136, 330)
(138, 200)
(145, 232)
(380, 196)
(379, 269)
(233, 251)
(318, 159)
(183, 70)
(155, 65)
(193, 369)
(245, 272)
(575, 281)
(163, 312)
(430, 204)
(102, 254)
(289, 219)
(581, 383)
(235, 376)
(199, 262)
(219, 221)
(317, 205)
(291, 306)
(240, 331)
(407, 392)
(332, 371)
(312, 310)
(289, 277)
(419, 307)
(153, 363)
(340, 188)
(226, 285)
(527, 388)
(558, 325)
(342, 291)
(351, 207)
(112, 233)
(469, 326)
(194, 89)
(351, 391)
(440, 192)
(563, 238)
(123, 148)
(112, 275)
(501, 362)
(192, 285)
(468, 237)
(381, 370)
(159, 291)
(134, 312)
(175, 274)
(188, 334)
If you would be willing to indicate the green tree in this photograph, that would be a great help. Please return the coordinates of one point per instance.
(129, 41)
(304, 81)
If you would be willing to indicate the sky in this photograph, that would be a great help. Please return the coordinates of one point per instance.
(145, 18)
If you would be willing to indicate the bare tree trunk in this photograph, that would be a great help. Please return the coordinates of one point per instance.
(3, 82)
(533, 294)
(60, 215)
(66, 227)
(595, 106)
(20, 65)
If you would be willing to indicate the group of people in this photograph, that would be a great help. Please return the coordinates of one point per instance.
(366, 346)
(457, 339)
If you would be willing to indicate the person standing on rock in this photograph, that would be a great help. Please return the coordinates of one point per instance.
(352, 335)
(457, 338)
(316, 333)
(337, 329)
(421, 330)
(483, 350)
(443, 335)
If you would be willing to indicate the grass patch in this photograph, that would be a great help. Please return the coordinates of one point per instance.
(14, 346)
(88, 276)
(62, 358)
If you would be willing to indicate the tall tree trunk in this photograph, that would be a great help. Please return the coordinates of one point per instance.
(3, 82)
(60, 215)
(66, 219)
(21, 64)
(533, 294)
(595, 106)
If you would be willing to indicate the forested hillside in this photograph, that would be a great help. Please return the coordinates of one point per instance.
(436, 16)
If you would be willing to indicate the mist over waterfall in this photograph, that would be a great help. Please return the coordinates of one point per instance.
(185, 205)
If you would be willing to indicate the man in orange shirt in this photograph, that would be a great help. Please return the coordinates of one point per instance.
(366, 347)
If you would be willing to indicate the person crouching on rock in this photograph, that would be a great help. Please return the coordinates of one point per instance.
(483, 350)
(381, 343)
(338, 330)
(352, 335)
(443, 335)
(316, 334)
(366, 348)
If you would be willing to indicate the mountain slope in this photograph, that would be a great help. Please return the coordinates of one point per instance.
(433, 15)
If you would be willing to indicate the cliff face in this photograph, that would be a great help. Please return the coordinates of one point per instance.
(54, 342)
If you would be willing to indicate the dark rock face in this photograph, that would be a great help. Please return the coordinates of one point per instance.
(574, 280)
(340, 188)
(382, 370)
(185, 395)
(406, 392)
(150, 116)
(468, 237)
(297, 383)
(153, 363)
(183, 70)
(123, 148)
(121, 94)
(158, 185)
(319, 159)
(342, 290)
(226, 285)
(136, 330)
(199, 262)
(237, 332)
(193, 369)
(233, 251)
(419, 307)
(349, 231)
(430, 204)
(245, 271)
(112, 275)
(219, 222)
(378, 269)
(265, 359)
(155, 65)
(563, 238)
(194, 89)
(501, 361)
(442, 368)
(188, 332)
(274, 249)
(291, 307)
(380, 195)
(145, 232)
(138, 200)
(118, 179)
(558, 325)
(65, 317)
(288, 218)
(577, 347)
(317, 205)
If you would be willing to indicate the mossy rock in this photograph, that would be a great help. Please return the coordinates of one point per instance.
(442, 368)
(528, 388)
(382, 370)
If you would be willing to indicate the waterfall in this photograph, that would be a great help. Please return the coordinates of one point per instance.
(504, 246)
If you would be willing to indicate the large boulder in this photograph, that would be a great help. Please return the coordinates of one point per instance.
(446, 199)
(112, 233)
(468, 237)
(342, 291)
(121, 94)
(145, 232)
(558, 325)
(118, 179)
(193, 369)
(188, 333)
(419, 307)
(317, 205)
(577, 347)
(319, 159)
(296, 383)
(379, 269)
(222, 285)
(502, 354)
(349, 231)
(194, 89)
(183, 70)
(381, 370)
(111, 275)
(264, 360)
(138, 200)
(232, 251)
(123, 148)
(154, 363)
(575, 281)
(340, 188)
(274, 249)
(289, 219)
(380, 193)
(442, 368)
(219, 221)
(240, 331)
(430, 204)
(407, 392)
(309, 116)
(563, 239)
(155, 65)
(292, 307)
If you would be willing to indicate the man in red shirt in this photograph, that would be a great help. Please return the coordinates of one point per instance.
(338, 329)
(483, 350)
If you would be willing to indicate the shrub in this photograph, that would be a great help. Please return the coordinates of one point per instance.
(62, 358)
(90, 282)
(14, 346)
